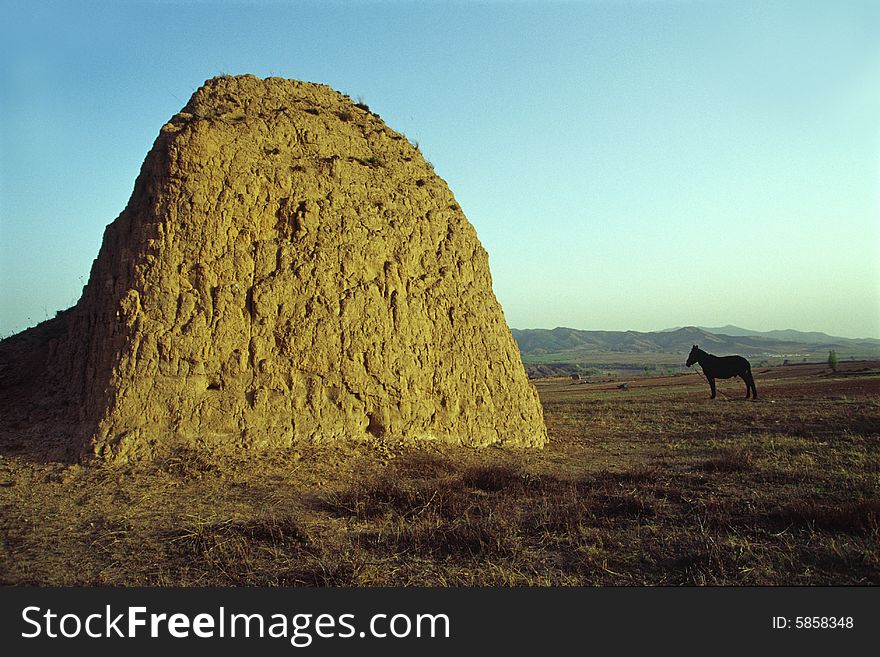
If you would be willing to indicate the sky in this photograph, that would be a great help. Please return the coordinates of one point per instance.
(627, 165)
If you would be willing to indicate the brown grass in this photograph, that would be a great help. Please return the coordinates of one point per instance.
(655, 485)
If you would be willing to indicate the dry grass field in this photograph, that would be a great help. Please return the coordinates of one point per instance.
(654, 485)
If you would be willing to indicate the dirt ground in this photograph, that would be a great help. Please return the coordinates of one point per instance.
(652, 485)
(810, 379)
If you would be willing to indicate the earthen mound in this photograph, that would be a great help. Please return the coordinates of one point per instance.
(287, 269)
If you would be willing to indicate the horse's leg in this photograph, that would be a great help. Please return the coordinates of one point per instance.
(751, 382)
(712, 385)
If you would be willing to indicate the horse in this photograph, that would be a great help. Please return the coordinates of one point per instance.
(723, 367)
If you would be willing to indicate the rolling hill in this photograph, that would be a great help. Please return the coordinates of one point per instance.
(789, 335)
(565, 350)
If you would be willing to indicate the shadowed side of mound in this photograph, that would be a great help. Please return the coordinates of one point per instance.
(39, 416)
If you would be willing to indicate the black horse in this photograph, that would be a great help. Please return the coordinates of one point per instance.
(723, 367)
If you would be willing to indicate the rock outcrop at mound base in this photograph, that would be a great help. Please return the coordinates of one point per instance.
(288, 268)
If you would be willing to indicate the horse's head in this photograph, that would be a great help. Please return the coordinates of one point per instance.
(693, 356)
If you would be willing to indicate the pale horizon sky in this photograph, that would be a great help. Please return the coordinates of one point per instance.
(627, 165)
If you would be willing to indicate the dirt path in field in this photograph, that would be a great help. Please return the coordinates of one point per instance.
(858, 378)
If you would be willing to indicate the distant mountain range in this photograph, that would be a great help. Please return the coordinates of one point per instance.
(571, 345)
(787, 335)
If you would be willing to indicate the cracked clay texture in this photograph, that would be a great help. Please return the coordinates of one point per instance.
(287, 269)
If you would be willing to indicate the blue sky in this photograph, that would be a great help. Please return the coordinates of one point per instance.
(627, 165)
